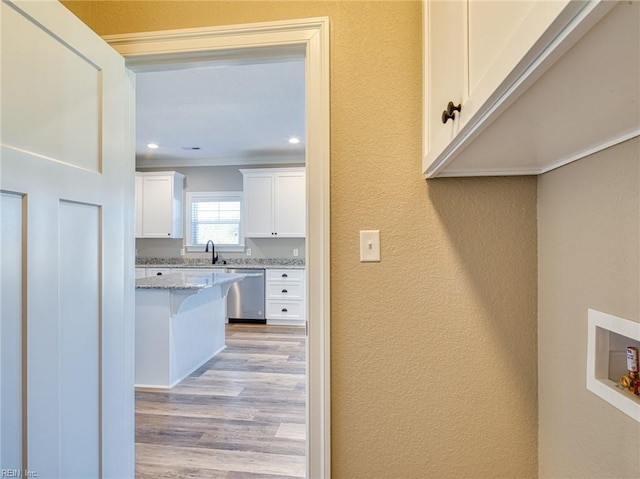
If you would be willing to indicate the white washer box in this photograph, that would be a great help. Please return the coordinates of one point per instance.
(285, 292)
(608, 338)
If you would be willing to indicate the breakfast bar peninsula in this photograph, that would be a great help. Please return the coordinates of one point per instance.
(180, 324)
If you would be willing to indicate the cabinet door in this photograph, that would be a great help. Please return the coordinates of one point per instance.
(157, 208)
(500, 35)
(258, 205)
(446, 39)
(290, 204)
(139, 187)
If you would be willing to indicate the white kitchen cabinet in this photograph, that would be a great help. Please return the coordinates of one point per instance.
(471, 47)
(138, 203)
(274, 203)
(196, 271)
(159, 204)
(285, 296)
(143, 272)
(529, 94)
(158, 271)
(446, 57)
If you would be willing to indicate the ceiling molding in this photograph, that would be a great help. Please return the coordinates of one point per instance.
(238, 161)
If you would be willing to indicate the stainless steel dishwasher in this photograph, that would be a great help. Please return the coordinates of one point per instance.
(245, 300)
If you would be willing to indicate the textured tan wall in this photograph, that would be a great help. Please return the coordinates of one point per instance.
(589, 257)
(433, 349)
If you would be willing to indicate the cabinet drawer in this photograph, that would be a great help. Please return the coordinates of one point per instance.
(285, 310)
(285, 274)
(281, 290)
(199, 270)
(158, 271)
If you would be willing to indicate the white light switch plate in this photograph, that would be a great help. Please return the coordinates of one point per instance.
(369, 246)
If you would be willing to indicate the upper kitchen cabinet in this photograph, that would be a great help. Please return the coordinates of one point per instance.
(274, 204)
(159, 204)
(522, 87)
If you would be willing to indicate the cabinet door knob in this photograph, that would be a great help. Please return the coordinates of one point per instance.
(285, 291)
(285, 275)
(450, 112)
(284, 310)
(159, 274)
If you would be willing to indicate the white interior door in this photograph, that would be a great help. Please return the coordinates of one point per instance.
(66, 181)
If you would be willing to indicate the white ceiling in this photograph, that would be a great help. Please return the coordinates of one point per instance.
(236, 114)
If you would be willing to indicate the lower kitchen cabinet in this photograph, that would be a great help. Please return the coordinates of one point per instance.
(158, 271)
(142, 272)
(285, 296)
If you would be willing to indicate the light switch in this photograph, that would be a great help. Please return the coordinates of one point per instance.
(369, 245)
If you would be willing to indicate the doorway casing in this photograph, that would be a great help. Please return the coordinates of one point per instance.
(185, 48)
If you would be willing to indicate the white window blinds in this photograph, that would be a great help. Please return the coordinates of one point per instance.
(216, 217)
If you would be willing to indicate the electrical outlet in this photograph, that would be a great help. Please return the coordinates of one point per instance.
(295, 252)
(182, 252)
(248, 251)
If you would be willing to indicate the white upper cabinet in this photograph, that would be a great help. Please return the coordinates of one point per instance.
(159, 204)
(138, 205)
(539, 84)
(289, 203)
(447, 53)
(258, 190)
(274, 202)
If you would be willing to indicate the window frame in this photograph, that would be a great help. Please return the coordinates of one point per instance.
(213, 196)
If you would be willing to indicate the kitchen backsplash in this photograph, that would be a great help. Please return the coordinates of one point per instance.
(260, 248)
(184, 261)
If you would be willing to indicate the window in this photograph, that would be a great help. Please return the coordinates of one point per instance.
(215, 216)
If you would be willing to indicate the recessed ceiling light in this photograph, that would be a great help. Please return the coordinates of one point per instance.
(153, 146)
(294, 140)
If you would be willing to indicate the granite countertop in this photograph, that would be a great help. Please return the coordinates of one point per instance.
(189, 281)
(265, 263)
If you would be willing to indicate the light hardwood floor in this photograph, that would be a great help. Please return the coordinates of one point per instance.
(240, 416)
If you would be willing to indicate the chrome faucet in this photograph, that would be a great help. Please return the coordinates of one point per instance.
(214, 256)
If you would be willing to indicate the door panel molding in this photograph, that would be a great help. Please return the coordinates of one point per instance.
(13, 348)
